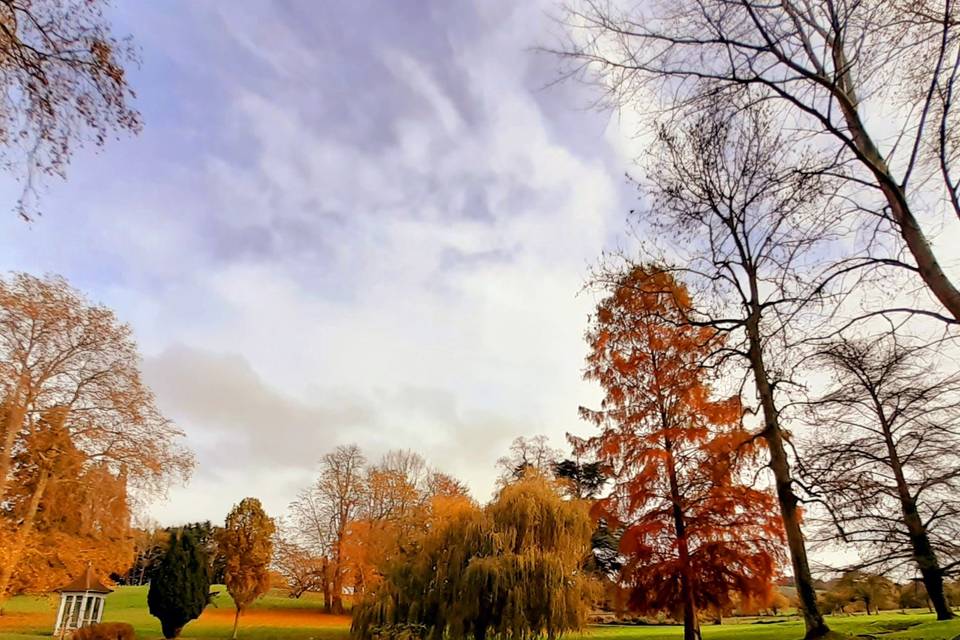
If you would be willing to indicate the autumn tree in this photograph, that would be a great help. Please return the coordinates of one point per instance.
(871, 83)
(470, 575)
(885, 455)
(694, 534)
(743, 217)
(180, 585)
(61, 355)
(71, 512)
(64, 85)
(246, 542)
(874, 591)
(441, 484)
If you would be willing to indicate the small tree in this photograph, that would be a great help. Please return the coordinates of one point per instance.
(246, 542)
(874, 591)
(180, 586)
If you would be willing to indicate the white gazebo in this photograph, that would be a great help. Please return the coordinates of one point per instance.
(81, 603)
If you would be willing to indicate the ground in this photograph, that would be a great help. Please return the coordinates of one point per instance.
(277, 617)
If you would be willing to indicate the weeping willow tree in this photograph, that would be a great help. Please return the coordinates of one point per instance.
(511, 570)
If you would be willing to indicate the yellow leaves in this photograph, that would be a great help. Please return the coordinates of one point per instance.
(513, 569)
(246, 543)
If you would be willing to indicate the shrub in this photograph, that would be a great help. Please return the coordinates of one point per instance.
(105, 631)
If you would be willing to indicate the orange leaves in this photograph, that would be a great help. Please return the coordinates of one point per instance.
(675, 453)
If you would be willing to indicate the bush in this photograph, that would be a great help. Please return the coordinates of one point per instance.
(105, 631)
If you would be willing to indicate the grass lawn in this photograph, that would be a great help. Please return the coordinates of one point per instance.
(277, 617)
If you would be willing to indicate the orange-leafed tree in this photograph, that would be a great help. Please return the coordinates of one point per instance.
(246, 542)
(77, 423)
(694, 535)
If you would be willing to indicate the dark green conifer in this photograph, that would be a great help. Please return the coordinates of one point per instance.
(180, 584)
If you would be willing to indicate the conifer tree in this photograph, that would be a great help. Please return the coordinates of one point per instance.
(180, 586)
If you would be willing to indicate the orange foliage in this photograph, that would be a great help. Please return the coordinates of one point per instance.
(693, 535)
(74, 512)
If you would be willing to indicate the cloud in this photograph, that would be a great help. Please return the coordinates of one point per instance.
(252, 439)
(360, 225)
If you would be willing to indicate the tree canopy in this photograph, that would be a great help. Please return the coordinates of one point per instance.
(513, 569)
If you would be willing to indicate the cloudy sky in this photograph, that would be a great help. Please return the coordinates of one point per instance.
(344, 222)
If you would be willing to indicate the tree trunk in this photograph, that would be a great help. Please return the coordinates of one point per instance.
(923, 553)
(11, 423)
(691, 622)
(20, 538)
(907, 225)
(336, 597)
(327, 604)
(813, 620)
(236, 623)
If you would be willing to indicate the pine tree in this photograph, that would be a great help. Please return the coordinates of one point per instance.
(180, 587)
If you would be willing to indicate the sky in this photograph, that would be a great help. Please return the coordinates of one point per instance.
(359, 222)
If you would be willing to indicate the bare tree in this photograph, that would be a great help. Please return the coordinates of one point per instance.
(328, 507)
(886, 457)
(303, 570)
(534, 453)
(743, 215)
(312, 531)
(871, 81)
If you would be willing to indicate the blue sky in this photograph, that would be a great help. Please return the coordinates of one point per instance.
(344, 222)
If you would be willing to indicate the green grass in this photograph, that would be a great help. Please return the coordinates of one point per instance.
(276, 617)
(888, 625)
(31, 618)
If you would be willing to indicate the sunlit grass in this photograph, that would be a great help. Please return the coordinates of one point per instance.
(277, 617)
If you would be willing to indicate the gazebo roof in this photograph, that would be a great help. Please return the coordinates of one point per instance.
(88, 582)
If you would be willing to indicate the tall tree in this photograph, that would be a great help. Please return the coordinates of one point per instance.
(886, 457)
(340, 492)
(60, 353)
(744, 217)
(180, 585)
(246, 542)
(64, 85)
(694, 535)
(873, 82)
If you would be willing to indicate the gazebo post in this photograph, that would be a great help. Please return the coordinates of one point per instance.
(56, 628)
